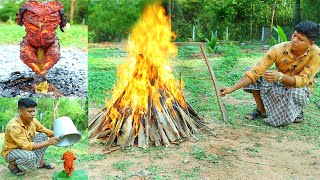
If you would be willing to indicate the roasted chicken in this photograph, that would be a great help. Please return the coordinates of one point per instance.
(40, 48)
(68, 164)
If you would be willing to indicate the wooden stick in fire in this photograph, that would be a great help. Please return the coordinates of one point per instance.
(223, 109)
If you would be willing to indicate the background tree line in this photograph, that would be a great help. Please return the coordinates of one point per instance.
(76, 10)
(111, 20)
(48, 110)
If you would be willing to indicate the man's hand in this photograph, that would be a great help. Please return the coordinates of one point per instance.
(48, 142)
(272, 76)
(53, 140)
(51, 134)
(224, 91)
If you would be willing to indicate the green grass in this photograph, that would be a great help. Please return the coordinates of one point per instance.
(76, 36)
(200, 153)
(199, 91)
(155, 169)
(108, 177)
(2, 161)
(102, 70)
(251, 149)
(187, 51)
(122, 165)
(190, 173)
(160, 152)
(257, 144)
(80, 150)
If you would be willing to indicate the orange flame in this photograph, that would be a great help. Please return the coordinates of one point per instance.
(147, 72)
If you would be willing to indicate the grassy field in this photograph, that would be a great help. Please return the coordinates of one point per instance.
(237, 142)
(76, 36)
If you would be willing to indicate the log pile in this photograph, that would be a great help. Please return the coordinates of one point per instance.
(156, 127)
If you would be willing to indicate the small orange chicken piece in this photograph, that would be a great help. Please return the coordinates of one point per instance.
(68, 164)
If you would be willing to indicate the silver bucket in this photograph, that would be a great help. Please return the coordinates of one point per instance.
(66, 131)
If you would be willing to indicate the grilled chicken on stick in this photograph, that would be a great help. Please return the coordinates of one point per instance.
(40, 48)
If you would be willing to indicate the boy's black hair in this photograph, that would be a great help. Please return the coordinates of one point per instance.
(26, 103)
(310, 29)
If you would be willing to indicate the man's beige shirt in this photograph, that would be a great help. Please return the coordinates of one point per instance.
(302, 68)
(18, 136)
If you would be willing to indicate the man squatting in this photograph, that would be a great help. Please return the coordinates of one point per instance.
(23, 149)
(282, 94)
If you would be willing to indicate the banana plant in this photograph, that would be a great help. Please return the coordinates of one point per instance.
(281, 34)
(212, 43)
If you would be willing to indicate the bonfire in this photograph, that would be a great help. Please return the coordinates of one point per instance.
(147, 106)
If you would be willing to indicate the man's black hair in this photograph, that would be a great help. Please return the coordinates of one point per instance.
(309, 29)
(26, 103)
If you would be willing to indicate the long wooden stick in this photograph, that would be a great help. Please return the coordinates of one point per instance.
(216, 87)
(55, 110)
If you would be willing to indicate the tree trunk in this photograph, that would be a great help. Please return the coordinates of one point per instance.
(56, 103)
(273, 14)
(73, 2)
(251, 19)
(297, 18)
(169, 10)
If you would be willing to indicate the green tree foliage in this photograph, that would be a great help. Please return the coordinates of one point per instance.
(310, 10)
(9, 8)
(80, 10)
(8, 109)
(244, 18)
(75, 108)
(185, 15)
(111, 20)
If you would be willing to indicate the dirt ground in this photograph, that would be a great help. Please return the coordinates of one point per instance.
(231, 152)
(241, 153)
(38, 174)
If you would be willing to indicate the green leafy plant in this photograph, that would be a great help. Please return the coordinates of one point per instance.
(201, 154)
(77, 174)
(272, 41)
(9, 21)
(122, 165)
(212, 43)
(241, 38)
(281, 34)
(251, 149)
(231, 55)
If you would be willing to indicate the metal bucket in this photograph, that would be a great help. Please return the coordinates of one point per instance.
(66, 131)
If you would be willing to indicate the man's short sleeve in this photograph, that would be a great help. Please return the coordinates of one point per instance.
(305, 77)
(262, 66)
